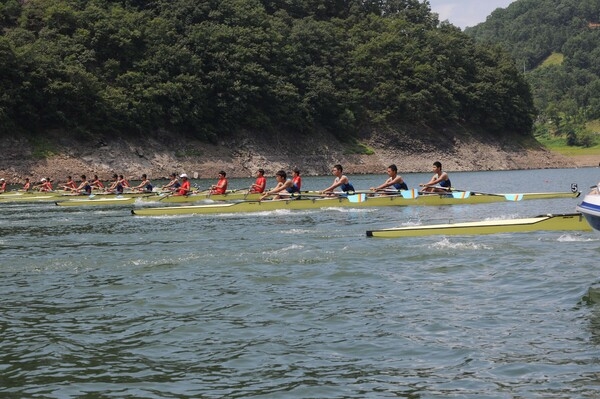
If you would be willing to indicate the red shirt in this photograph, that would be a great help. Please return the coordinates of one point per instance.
(297, 182)
(221, 186)
(260, 184)
(185, 188)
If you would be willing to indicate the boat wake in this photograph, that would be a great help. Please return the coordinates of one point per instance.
(576, 238)
(445, 243)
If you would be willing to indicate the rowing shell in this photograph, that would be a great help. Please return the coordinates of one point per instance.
(243, 206)
(572, 221)
(350, 201)
(197, 197)
(95, 201)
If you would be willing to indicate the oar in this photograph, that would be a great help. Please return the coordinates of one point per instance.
(166, 196)
(437, 186)
(248, 192)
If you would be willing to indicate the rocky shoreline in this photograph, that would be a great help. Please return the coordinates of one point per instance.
(159, 157)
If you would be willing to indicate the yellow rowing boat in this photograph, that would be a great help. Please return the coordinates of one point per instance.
(305, 201)
(572, 221)
(97, 201)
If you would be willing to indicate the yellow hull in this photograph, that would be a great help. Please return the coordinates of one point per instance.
(169, 198)
(62, 195)
(574, 221)
(95, 201)
(351, 201)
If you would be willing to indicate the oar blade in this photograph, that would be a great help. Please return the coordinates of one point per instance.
(357, 198)
(461, 194)
(513, 197)
(410, 194)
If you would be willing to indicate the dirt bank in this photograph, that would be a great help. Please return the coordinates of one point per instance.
(159, 156)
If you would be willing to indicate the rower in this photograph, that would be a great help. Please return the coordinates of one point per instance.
(340, 181)
(184, 189)
(96, 183)
(394, 181)
(145, 185)
(283, 187)
(46, 185)
(2, 185)
(70, 184)
(27, 184)
(221, 186)
(440, 182)
(297, 180)
(84, 187)
(124, 182)
(173, 184)
(260, 184)
(116, 187)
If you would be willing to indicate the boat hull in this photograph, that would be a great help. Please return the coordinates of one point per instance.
(95, 201)
(590, 207)
(169, 198)
(351, 201)
(563, 222)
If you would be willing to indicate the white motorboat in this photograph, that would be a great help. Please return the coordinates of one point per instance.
(590, 207)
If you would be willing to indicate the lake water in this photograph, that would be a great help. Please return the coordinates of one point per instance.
(99, 303)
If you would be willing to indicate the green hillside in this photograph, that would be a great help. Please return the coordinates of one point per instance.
(212, 68)
(557, 43)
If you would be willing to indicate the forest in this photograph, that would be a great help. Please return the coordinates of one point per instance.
(557, 44)
(211, 68)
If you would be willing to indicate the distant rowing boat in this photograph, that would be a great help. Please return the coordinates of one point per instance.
(350, 201)
(170, 198)
(572, 221)
(96, 201)
(62, 195)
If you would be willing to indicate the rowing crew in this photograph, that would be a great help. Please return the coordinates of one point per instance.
(439, 182)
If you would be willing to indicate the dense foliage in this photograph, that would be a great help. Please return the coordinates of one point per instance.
(217, 66)
(566, 94)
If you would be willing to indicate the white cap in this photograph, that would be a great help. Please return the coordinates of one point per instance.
(183, 175)
(43, 180)
(1, 178)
